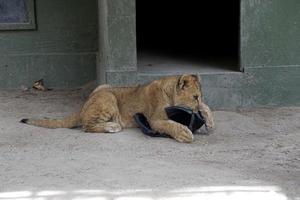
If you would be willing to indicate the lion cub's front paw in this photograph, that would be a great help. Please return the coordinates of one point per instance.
(184, 135)
(209, 124)
(208, 116)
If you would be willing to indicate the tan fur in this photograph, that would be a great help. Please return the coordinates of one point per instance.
(110, 109)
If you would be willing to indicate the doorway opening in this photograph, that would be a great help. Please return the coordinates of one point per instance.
(187, 37)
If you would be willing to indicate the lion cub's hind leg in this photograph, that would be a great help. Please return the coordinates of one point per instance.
(103, 127)
(101, 114)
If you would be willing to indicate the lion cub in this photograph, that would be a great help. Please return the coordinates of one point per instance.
(109, 109)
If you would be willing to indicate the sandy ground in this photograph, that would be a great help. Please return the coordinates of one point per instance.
(252, 154)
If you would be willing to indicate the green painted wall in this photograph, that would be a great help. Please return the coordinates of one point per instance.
(270, 33)
(270, 52)
(62, 49)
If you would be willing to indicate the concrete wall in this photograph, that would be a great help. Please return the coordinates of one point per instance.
(62, 49)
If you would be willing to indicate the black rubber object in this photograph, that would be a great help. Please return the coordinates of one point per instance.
(145, 127)
(186, 116)
(182, 115)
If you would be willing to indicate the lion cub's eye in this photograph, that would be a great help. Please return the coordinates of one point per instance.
(196, 97)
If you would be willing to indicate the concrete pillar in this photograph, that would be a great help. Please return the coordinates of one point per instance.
(117, 42)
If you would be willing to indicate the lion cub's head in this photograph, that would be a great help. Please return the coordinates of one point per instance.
(188, 92)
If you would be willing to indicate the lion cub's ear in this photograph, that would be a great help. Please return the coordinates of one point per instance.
(196, 78)
(185, 80)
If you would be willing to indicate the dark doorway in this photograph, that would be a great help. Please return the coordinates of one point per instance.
(188, 36)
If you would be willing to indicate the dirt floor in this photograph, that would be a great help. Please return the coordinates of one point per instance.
(252, 154)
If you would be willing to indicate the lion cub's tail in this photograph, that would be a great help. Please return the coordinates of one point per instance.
(67, 122)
